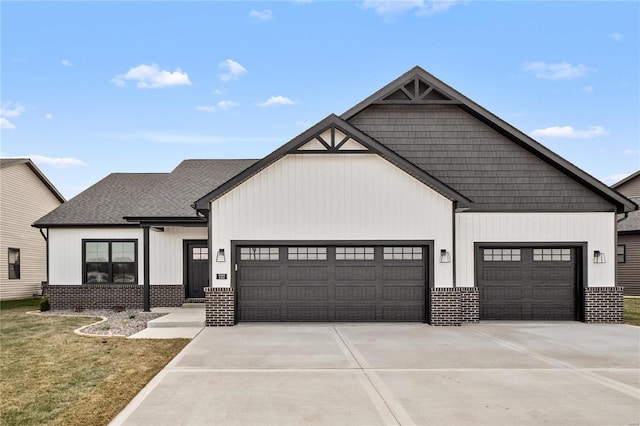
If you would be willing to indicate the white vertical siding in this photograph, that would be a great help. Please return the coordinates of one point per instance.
(166, 253)
(332, 197)
(65, 251)
(23, 200)
(596, 229)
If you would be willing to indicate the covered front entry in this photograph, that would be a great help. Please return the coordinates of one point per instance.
(196, 268)
(342, 282)
(528, 283)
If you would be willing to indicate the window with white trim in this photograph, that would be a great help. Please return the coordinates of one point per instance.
(14, 264)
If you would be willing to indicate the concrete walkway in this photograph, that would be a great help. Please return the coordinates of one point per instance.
(566, 373)
(182, 322)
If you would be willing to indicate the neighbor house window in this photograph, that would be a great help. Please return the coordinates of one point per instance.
(14, 264)
(110, 261)
(621, 253)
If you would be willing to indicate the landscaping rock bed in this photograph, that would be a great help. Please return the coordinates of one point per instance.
(123, 323)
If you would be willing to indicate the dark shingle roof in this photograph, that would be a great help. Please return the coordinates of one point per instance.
(144, 194)
(632, 221)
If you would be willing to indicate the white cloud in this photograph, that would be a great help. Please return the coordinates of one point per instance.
(225, 105)
(232, 70)
(390, 8)
(568, 132)
(617, 36)
(222, 106)
(588, 89)
(217, 92)
(559, 71)
(276, 100)
(57, 162)
(66, 63)
(6, 124)
(205, 108)
(48, 116)
(261, 15)
(9, 109)
(152, 77)
(631, 152)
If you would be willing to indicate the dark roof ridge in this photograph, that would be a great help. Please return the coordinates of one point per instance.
(475, 109)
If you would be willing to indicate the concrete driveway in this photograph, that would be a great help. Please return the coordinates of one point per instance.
(520, 373)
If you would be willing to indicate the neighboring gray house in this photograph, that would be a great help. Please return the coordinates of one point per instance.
(628, 250)
(417, 204)
(25, 195)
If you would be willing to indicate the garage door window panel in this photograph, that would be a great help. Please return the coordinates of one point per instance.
(502, 255)
(552, 255)
(402, 253)
(355, 253)
(259, 253)
(307, 253)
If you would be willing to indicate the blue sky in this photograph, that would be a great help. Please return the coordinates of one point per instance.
(90, 88)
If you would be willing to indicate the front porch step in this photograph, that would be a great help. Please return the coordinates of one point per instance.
(178, 317)
(193, 305)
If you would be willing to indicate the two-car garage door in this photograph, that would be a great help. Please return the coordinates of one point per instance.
(331, 283)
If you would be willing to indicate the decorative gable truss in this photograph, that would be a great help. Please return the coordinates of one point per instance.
(416, 91)
(333, 135)
(331, 141)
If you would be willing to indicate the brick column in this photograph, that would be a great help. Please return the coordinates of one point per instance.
(445, 306)
(219, 306)
(603, 305)
(469, 304)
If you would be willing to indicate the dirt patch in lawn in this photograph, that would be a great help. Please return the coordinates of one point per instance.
(50, 375)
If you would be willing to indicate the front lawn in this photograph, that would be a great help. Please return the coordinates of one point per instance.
(632, 311)
(50, 375)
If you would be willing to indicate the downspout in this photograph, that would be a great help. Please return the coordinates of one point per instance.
(46, 239)
(147, 281)
(454, 253)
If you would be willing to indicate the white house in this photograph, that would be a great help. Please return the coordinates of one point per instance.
(415, 205)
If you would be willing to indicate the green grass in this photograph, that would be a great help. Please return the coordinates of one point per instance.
(632, 311)
(50, 375)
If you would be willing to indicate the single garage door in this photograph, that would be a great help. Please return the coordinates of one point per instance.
(527, 283)
(331, 283)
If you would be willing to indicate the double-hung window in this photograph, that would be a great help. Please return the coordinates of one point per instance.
(110, 261)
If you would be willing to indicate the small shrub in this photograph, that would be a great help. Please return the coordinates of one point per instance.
(44, 305)
(132, 316)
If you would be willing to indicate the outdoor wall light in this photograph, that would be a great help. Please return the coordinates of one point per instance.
(444, 256)
(220, 256)
(598, 257)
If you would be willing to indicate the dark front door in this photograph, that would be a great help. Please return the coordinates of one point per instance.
(197, 263)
